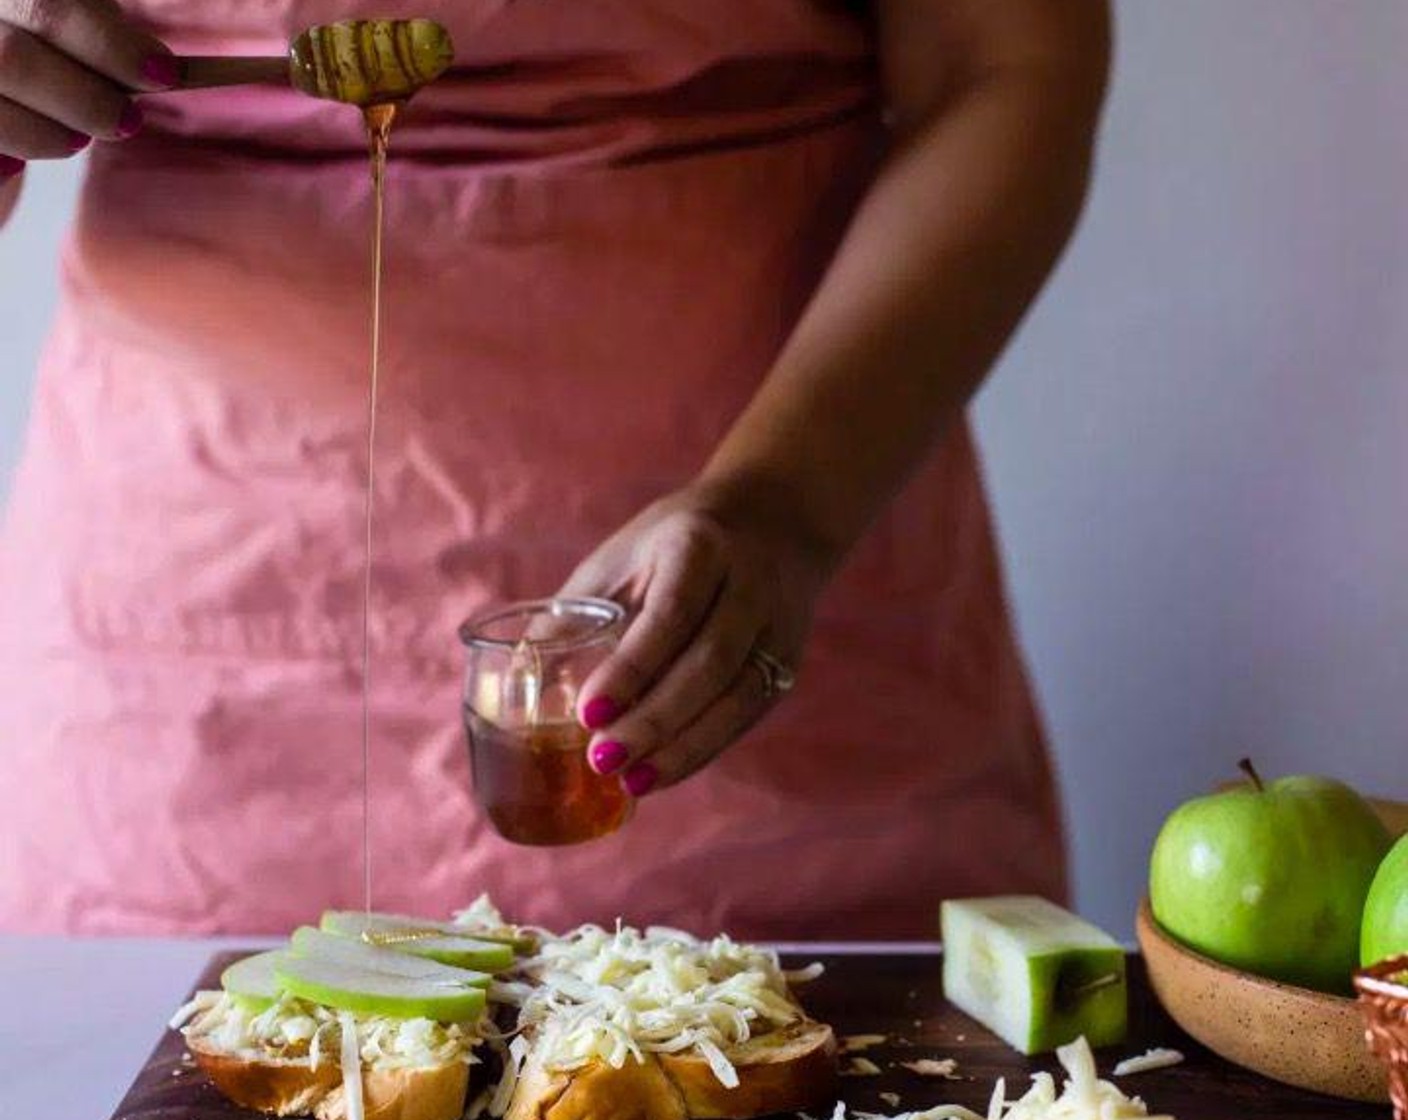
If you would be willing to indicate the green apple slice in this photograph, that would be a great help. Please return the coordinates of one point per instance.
(420, 938)
(315, 944)
(1033, 973)
(521, 942)
(351, 987)
(251, 981)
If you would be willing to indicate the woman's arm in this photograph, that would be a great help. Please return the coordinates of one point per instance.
(994, 106)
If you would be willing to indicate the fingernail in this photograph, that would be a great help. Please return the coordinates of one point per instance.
(161, 70)
(77, 141)
(130, 123)
(10, 167)
(640, 779)
(599, 712)
(607, 757)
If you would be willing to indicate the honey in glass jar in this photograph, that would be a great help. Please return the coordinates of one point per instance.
(526, 665)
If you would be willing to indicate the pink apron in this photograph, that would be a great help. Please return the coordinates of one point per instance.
(600, 230)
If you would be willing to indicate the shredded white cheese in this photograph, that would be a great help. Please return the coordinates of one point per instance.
(295, 1028)
(351, 1060)
(200, 1002)
(482, 916)
(891, 1099)
(1083, 1097)
(934, 1067)
(513, 1066)
(616, 995)
(861, 1067)
(855, 1043)
(1158, 1058)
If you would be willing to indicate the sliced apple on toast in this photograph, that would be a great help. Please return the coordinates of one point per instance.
(314, 943)
(420, 937)
(251, 981)
(351, 987)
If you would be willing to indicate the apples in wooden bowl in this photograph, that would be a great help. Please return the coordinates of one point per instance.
(1251, 931)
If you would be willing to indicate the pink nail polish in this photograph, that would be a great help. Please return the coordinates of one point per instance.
(607, 757)
(161, 70)
(10, 167)
(130, 123)
(640, 779)
(599, 712)
(77, 141)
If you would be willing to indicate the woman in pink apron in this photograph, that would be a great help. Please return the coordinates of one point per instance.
(737, 266)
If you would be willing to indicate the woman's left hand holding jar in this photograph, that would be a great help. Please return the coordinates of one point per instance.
(721, 591)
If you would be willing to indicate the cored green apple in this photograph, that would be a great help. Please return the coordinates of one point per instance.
(1385, 932)
(1033, 973)
(251, 981)
(352, 987)
(1271, 878)
(421, 938)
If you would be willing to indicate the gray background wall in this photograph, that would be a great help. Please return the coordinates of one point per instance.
(1198, 445)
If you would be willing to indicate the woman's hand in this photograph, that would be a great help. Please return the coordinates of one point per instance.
(67, 72)
(711, 581)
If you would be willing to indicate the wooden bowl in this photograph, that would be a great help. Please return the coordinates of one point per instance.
(1308, 1039)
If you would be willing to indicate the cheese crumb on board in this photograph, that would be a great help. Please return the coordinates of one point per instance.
(1083, 1096)
(855, 1043)
(946, 1068)
(861, 1067)
(1157, 1058)
(891, 1099)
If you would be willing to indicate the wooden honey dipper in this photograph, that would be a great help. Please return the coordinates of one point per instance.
(358, 62)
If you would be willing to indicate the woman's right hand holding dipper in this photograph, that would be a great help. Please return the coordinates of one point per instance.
(68, 69)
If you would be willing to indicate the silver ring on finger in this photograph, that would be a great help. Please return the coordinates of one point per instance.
(778, 678)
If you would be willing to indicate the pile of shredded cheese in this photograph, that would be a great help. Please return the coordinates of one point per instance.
(482, 917)
(615, 995)
(293, 1028)
(1084, 1096)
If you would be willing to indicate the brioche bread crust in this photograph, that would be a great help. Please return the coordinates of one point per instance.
(597, 1091)
(291, 1087)
(789, 1070)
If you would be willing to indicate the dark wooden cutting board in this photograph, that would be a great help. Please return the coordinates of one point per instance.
(899, 996)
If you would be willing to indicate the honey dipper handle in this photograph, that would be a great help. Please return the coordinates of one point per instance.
(204, 72)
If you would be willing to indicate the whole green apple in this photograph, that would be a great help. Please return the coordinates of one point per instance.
(1271, 878)
(1386, 909)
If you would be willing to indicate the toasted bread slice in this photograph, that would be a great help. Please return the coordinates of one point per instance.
(292, 1087)
(597, 1091)
(788, 1070)
(784, 1071)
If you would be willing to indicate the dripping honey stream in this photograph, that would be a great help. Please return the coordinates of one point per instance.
(379, 120)
(376, 65)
